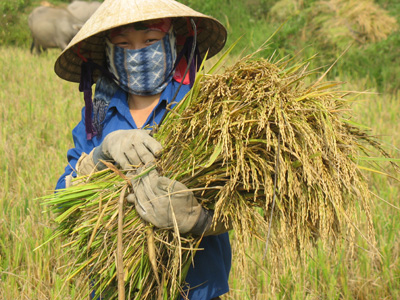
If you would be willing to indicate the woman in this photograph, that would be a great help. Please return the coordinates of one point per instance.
(143, 55)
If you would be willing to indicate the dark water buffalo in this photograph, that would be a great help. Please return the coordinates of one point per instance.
(52, 27)
(83, 9)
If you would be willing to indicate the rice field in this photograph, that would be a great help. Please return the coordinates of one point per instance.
(38, 111)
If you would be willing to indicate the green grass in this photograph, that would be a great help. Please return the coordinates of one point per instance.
(38, 112)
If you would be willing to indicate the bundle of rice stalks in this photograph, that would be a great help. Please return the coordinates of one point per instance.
(152, 263)
(342, 21)
(256, 144)
(258, 135)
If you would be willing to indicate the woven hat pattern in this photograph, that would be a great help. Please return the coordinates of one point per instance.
(89, 42)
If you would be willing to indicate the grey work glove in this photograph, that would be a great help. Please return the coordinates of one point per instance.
(160, 200)
(127, 148)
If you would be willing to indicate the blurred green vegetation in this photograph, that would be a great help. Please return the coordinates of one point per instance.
(315, 27)
(327, 28)
(14, 22)
(14, 30)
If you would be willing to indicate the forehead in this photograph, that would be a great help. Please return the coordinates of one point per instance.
(162, 25)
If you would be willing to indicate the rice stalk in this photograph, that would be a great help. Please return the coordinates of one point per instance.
(90, 228)
(342, 21)
(224, 142)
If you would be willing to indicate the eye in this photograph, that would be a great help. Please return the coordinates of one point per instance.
(151, 41)
(119, 41)
(121, 44)
(153, 36)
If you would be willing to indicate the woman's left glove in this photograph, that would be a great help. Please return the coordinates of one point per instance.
(160, 201)
(127, 148)
(123, 147)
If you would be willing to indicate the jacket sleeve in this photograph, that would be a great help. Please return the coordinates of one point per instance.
(81, 144)
(205, 225)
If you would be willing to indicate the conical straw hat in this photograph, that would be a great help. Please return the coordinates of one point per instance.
(89, 42)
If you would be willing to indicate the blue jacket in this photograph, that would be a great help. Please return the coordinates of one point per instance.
(208, 276)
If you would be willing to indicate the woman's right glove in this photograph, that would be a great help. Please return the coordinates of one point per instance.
(126, 148)
(164, 202)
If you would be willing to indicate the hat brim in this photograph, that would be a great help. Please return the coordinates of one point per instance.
(89, 42)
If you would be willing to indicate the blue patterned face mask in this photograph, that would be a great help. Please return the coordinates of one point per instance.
(145, 71)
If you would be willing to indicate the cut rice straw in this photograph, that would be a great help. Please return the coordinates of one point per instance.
(224, 141)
